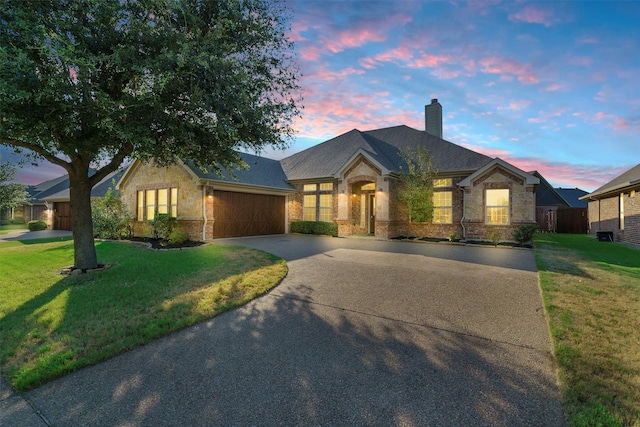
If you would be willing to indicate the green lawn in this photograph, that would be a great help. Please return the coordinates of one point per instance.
(4, 229)
(591, 292)
(52, 324)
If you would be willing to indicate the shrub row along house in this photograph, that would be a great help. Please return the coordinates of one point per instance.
(350, 180)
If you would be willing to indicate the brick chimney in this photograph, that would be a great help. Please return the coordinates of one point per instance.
(433, 118)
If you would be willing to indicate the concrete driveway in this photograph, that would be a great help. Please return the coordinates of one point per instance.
(361, 332)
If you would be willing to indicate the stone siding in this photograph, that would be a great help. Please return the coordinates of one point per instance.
(147, 176)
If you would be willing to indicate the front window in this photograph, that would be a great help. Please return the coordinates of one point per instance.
(497, 207)
(442, 182)
(309, 207)
(161, 201)
(326, 207)
(443, 207)
(317, 202)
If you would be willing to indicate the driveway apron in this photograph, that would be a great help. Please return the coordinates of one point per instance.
(361, 332)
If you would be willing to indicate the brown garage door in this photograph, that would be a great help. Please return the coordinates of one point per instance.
(62, 216)
(241, 214)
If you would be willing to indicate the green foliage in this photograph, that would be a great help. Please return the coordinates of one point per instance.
(36, 225)
(314, 227)
(11, 195)
(58, 323)
(524, 233)
(178, 236)
(110, 216)
(161, 226)
(495, 235)
(93, 82)
(415, 189)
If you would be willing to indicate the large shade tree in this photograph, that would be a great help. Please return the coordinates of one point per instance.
(89, 83)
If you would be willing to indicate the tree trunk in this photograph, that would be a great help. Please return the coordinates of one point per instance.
(84, 249)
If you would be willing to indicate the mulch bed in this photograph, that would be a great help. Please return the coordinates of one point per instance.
(158, 244)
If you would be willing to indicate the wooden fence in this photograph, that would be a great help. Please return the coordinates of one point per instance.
(563, 220)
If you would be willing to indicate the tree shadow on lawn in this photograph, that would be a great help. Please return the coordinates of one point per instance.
(71, 323)
(283, 361)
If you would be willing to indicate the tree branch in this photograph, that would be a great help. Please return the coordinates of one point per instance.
(36, 149)
(113, 165)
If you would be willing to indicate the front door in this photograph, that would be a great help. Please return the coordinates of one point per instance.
(372, 213)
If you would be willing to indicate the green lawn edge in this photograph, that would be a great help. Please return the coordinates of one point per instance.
(591, 292)
(51, 324)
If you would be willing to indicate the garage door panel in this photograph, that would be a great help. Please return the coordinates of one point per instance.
(242, 214)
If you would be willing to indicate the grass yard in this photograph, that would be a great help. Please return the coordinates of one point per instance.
(591, 291)
(4, 229)
(52, 324)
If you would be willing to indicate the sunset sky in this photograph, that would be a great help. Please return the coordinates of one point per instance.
(552, 86)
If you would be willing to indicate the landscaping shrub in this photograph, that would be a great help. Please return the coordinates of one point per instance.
(17, 221)
(178, 236)
(162, 225)
(524, 233)
(37, 225)
(110, 217)
(314, 227)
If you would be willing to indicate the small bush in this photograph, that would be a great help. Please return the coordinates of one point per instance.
(162, 225)
(17, 221)
(37, 225)
(524, 233)
(314, 227)
(110, 216)
(178, 237)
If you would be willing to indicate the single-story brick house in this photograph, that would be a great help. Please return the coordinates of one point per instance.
(615, 207)
(350, 180)
(49, 201)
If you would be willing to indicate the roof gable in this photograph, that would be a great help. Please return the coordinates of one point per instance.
(527, 178)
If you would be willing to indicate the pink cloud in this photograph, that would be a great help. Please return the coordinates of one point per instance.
(533, 15)
(506, 67)
(516, 105)
(310, 53)
(330, 76)
(553, 87)
(427, 60)
(399, 54)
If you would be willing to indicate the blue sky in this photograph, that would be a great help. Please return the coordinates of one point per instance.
(552, 86)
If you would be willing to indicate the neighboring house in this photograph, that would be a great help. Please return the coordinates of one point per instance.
(559, 210)
(615, 207)
(49, 201)
(350, 180)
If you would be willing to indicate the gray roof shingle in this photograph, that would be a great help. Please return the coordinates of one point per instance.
(262, 172)
(384, 146)
(627, 179)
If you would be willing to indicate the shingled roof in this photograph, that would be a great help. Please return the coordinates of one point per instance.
(262, 172)
(629, 178)
(383, 145)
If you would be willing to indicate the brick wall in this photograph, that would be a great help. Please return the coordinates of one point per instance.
(604, 215)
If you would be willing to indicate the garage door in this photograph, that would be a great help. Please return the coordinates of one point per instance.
(62, 216)
(241, 214)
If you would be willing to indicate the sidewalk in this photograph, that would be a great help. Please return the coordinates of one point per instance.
(15, 410)
(30, 235)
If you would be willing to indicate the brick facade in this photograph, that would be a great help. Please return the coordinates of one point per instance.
(604, 215)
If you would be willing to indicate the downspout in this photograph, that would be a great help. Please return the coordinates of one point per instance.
(464, 212)
(204, 212)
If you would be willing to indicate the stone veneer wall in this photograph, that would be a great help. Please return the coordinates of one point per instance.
(146, 176)
(522, 205)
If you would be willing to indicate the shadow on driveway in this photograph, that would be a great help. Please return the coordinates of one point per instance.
(340, 342)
